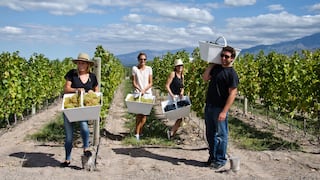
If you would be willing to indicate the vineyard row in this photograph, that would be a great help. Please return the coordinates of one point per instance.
(33, 82)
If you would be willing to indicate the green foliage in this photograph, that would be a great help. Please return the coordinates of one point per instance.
(154, 132)
(249, 81)
(195, 87)
(27, 83)
(31, 83)
(248, 137)
(112, 74)
(52, 132)
(12, 89)
(287, 84)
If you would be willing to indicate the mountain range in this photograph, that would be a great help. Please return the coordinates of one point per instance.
(310, 43)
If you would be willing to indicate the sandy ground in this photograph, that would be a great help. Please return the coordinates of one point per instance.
(25, 159)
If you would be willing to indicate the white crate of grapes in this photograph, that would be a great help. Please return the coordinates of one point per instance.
(79, 109)
(210, 51)
(174, 110)
(139, 104)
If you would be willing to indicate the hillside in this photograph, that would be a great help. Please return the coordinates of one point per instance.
(311, 43)
(130, 59)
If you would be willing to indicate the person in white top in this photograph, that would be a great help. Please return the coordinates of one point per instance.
(142, 83)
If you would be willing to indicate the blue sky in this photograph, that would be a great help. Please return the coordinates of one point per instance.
(63, 28)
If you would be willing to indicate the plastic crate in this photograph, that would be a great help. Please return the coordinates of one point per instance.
(82, 113)
(177, 113)
(137, 107)
(211, 51)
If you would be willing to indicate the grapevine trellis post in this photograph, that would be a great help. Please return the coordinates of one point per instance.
(97, 71)
(245, 106)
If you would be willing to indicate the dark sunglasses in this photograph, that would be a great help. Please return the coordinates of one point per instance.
(142, 59)
(225, 56)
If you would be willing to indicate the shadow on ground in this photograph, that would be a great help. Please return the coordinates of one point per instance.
(142, 152)
(114, 137)
(38, 159)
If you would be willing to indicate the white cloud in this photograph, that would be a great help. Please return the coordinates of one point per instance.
(11, 30)
(187, 14)
(36, 33)
(57, 7)
(315, 7)
(212, 5)
(69, 7)
(180, 12)
(239, 2)
(275, 7)
(272, 28)
(136, 18)
(196, 30)
(122, 38)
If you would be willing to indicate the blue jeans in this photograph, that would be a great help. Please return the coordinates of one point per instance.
(68, 128)
(217, 134)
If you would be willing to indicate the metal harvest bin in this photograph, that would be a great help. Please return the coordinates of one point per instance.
(137, 107)
(84, 112)
(211, 51)
(177, 113)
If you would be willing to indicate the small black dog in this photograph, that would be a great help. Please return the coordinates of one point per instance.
(88, 161)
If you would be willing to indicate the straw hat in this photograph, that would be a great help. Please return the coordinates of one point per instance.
(83, 57)
(178, 62)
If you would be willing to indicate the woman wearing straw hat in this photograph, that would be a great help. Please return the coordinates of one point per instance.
(142, 83)
(77, 80)
(174, 86)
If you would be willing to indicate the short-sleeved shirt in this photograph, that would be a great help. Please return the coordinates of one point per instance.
(222, 78)
(73, 76)
(142, 78)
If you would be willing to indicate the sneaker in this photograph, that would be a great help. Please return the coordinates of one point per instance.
(217, 166)
(137, 137)
(168, 134)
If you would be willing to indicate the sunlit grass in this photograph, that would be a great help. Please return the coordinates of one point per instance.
(154, 132)
(250, 138)
(300, 122)
(51, 132)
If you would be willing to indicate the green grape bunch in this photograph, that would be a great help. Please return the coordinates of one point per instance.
(143, 100)
(72, 102)
(91, 99)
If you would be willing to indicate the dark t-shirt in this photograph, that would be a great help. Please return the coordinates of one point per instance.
(73, 76)
(221, 80)
(176, 85)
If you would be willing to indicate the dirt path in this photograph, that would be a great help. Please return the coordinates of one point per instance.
(25, 159)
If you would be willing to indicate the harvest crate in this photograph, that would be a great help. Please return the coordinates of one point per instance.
(84, 112)
(138, 107)
(211, 51)
(177, 113)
